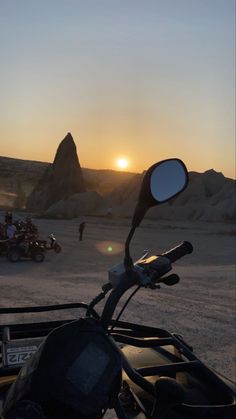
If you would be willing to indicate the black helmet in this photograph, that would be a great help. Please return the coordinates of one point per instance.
(8, 217)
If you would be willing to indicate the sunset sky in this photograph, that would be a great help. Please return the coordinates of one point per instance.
(137, 79)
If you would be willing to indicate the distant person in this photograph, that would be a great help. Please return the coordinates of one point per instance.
(81, 229)
(109, 212)
(30, 227)
(11, 230)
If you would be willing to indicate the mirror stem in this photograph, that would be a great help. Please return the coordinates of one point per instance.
(140, 211)
(128, 263)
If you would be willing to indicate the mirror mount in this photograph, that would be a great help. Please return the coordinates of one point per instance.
(139, 212)
(128, 262)
(162, 181)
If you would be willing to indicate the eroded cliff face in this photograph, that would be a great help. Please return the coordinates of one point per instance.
(62, 179)
(209, 197)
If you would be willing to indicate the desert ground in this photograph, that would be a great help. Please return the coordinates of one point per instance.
(201, 307)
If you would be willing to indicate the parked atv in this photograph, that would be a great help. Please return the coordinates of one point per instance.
(78, 369)
(4, 246)
(25, 247)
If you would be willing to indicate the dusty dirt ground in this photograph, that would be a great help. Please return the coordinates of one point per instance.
(201, 307)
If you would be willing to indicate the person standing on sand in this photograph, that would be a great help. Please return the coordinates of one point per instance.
(109, 212)
(81, 229)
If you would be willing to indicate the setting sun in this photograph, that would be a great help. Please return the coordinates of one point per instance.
(122, 163)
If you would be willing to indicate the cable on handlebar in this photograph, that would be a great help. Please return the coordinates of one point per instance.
(115, 295)
(106, 287)
(123, 308)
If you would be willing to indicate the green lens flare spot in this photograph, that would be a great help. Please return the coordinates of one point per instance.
(109, 248)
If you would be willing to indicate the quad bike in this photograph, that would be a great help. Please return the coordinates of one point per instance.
(26, 226)
(81, 368)
(25, 246)
(4, 246)
(5, 241)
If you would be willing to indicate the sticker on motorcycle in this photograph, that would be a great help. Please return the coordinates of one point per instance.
(20, 356)
(14, 355)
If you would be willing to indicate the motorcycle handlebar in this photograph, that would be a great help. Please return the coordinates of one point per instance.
(132, 278)
(179, 251)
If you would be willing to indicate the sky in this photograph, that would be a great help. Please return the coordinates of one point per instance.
(139, 79)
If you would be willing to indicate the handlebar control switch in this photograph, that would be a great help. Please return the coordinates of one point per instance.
(119, 274)
(156, 266)
(148, 271)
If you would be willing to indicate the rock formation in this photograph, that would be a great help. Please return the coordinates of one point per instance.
(60, 180)
(209, 197)
(87, 203)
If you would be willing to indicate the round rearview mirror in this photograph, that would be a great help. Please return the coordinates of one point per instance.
(162, 181)
(167, 179)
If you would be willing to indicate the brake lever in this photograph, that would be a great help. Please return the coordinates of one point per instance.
(153, 286)
(170, 280)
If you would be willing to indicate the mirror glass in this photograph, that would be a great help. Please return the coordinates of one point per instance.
(167, 179)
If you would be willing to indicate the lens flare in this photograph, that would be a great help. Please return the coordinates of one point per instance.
(109, 248)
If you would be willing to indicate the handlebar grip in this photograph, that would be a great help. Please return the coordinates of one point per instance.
(179, 251)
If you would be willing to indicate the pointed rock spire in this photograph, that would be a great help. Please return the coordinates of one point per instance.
(60, 180)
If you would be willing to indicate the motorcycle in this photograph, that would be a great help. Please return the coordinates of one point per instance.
(52, 245)
(82, 368)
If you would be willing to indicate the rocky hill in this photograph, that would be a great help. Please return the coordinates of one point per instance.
(210, 196)
(18, 174)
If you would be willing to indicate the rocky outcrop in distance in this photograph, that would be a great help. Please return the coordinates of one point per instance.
(87, 203)
(209, 197)
(62, 179)
(27, 173)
